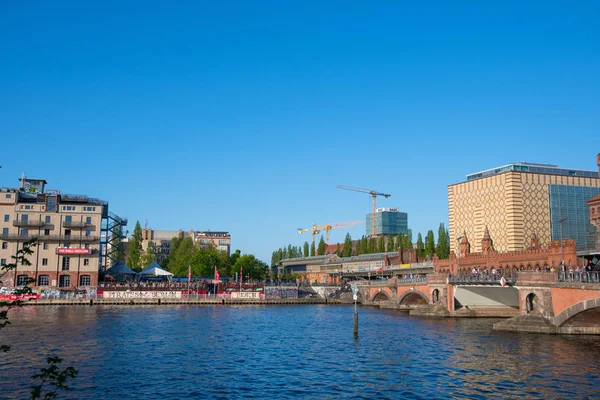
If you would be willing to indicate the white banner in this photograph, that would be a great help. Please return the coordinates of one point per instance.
(143, 294)
(246, 295)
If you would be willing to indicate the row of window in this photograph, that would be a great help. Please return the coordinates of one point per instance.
(68, 218)
(66, 262)
(73, 208)
(25, 232)
(45, 245)
(63, 280)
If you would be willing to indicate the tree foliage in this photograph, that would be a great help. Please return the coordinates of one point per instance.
(251, 267)
(420, 246)
(306, 249)
(347, 245)
(134, 259)
(443, 245)
(381, 244)
(390, 243)
(429, 244)
(321, 247)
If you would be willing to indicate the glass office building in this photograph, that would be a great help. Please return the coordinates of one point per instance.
(388, 221)
(569, 204)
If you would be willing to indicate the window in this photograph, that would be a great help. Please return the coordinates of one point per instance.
(4, 245)
(8, 196)
(89, 208)
(67, 232)
(44, 280)
(86, 246)
(85, 280)
(28, 207)
(64, 281)
(67, 245)
(65, 263)
(5, 231)
(88, 220)
(223, 242)
(47, 219)
(88, 233)
(6, 217)
(3, 261)
(45, 246)
(25, 232)
(68, 218)
(68, 208)
(86, 262)
(24, 217)
(46, 232)
(22, 280)
(44, 261)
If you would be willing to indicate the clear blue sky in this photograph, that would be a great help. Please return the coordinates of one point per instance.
(244, 116)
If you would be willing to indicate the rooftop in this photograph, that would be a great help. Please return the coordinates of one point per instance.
(549, 169)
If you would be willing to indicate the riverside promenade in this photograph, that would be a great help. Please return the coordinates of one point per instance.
(174, 301)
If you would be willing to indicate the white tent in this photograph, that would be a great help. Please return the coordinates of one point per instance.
(155, 270)
(119, 271)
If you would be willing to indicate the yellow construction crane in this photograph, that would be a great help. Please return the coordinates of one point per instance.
(316, 229)
(373, 194)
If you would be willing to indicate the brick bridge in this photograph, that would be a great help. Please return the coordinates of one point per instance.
(560, 307)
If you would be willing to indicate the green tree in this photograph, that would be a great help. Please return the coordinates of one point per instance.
(400, 240)
(251, 267)
(381, 244)
(306, 249)
(372, 245)
(443, 245)
(149, 254)
(321, 248)
(348, 245)
(181, 256)
(429, 244)
(420, 246)
(391, 246)
(312, 249)
(364, 245)
(205, 260)
(134, 261)
(338, 251)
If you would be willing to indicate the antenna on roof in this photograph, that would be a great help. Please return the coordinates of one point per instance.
(146, 224)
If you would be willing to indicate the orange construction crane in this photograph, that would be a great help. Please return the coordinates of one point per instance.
(315, 229)
(373, 194)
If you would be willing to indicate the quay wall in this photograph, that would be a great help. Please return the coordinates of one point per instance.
(174, 301)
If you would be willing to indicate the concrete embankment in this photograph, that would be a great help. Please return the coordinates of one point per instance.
(138, 302)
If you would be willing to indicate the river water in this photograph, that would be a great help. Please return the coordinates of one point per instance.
(309, 352)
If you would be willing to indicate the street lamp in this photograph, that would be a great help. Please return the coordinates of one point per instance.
(562, 246)
(458, 239)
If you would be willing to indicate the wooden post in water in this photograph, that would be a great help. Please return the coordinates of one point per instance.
(355, 296)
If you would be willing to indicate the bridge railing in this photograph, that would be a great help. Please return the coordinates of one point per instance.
(484, 279)
(579, 277)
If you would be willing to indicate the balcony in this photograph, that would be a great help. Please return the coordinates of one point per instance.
(76, 224)
(50, 238)
(28, 224)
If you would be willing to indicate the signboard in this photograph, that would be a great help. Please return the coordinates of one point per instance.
(141, 294)
(73, 250)
(246, 295)
(404, 265)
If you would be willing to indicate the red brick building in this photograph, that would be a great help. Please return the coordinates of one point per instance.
(535, 257)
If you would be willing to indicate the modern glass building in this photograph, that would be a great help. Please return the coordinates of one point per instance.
(388, 221)
(569, 205)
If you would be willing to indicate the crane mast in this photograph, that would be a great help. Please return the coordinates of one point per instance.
(374, 194)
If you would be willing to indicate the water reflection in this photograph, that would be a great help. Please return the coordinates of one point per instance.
(291, 352)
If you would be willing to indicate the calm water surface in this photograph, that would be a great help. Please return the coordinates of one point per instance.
(291, 352)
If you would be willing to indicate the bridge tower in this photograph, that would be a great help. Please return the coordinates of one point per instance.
(487, 244)
(465, 246)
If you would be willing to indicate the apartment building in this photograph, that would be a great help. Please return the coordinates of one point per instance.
(67, 228)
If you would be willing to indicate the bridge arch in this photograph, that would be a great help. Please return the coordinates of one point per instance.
(576, 309)
(413, 297)
(380, 296)
(436, 296)
(532, 302)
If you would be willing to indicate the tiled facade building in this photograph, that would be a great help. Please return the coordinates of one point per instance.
(518, 201)
(68, 230)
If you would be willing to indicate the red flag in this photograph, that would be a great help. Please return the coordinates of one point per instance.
(190, 274)
(217, 276)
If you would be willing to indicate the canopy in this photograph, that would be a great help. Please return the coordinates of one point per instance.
(155, 270)
(118, 270)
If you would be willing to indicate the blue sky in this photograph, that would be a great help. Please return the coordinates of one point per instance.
(244, 116)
